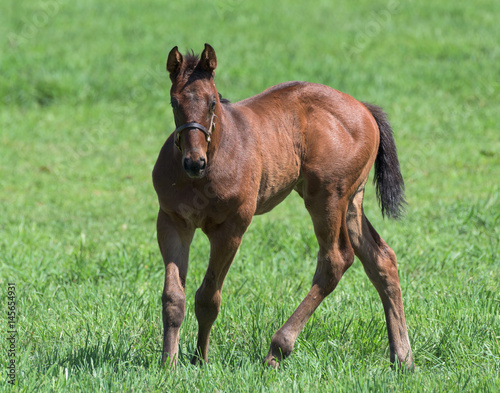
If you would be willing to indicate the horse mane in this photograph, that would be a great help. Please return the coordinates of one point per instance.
(223, 100)
(191, 61)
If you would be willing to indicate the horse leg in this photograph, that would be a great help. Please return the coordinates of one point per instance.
(334, 258)
(224, 243)
(174, 240)
(380, 265)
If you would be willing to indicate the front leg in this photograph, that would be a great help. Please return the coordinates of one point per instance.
(174, 239)
(224, 243)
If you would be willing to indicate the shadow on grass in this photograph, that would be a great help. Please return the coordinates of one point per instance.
(104, 353)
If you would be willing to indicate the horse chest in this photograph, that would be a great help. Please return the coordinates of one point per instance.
(202, 206)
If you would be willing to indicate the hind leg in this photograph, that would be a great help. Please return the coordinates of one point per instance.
(334, 258)
(380, 265)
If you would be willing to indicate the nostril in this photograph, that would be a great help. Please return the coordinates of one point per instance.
(194, 166)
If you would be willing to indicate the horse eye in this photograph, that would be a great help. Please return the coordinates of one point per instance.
(212, 105)
(174, 103)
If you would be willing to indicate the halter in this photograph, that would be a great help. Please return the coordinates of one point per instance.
(198, 126)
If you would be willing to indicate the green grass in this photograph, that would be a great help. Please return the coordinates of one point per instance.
(83, 113)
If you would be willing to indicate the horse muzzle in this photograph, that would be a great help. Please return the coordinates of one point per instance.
(195, 168)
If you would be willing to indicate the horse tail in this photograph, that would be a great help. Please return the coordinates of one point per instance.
(389, 183)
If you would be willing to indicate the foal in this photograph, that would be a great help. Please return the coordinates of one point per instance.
(227, 162)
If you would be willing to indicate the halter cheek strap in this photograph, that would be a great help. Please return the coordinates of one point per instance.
(198, 126)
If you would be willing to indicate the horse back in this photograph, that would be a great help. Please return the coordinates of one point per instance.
(309, 132)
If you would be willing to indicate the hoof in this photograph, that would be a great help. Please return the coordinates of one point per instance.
(271, 362)
(281, 347)
(167, 363)
(403, 367)
(196, 360)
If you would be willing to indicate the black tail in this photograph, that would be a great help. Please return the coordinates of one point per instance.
(388, 180)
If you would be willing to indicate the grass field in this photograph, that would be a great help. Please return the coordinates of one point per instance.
(84, 110)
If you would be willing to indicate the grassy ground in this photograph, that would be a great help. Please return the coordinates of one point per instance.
(83, 113)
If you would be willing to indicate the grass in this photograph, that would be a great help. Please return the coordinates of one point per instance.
(83, 113)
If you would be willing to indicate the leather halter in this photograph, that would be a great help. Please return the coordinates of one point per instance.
(198, 126)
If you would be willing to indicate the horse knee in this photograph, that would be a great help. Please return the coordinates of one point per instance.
(173, 303)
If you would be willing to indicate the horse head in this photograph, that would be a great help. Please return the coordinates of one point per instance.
(195, 103)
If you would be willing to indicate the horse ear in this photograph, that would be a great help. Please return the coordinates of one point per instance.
(174, 61)
(208, 60)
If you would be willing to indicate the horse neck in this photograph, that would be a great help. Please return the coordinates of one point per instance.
(220, 131)
(226, 139)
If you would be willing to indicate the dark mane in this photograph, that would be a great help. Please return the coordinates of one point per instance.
(223, 100)
(191, 61)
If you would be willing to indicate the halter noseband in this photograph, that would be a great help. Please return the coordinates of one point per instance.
(198, 126)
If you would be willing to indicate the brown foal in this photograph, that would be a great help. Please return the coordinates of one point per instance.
(227, 162)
